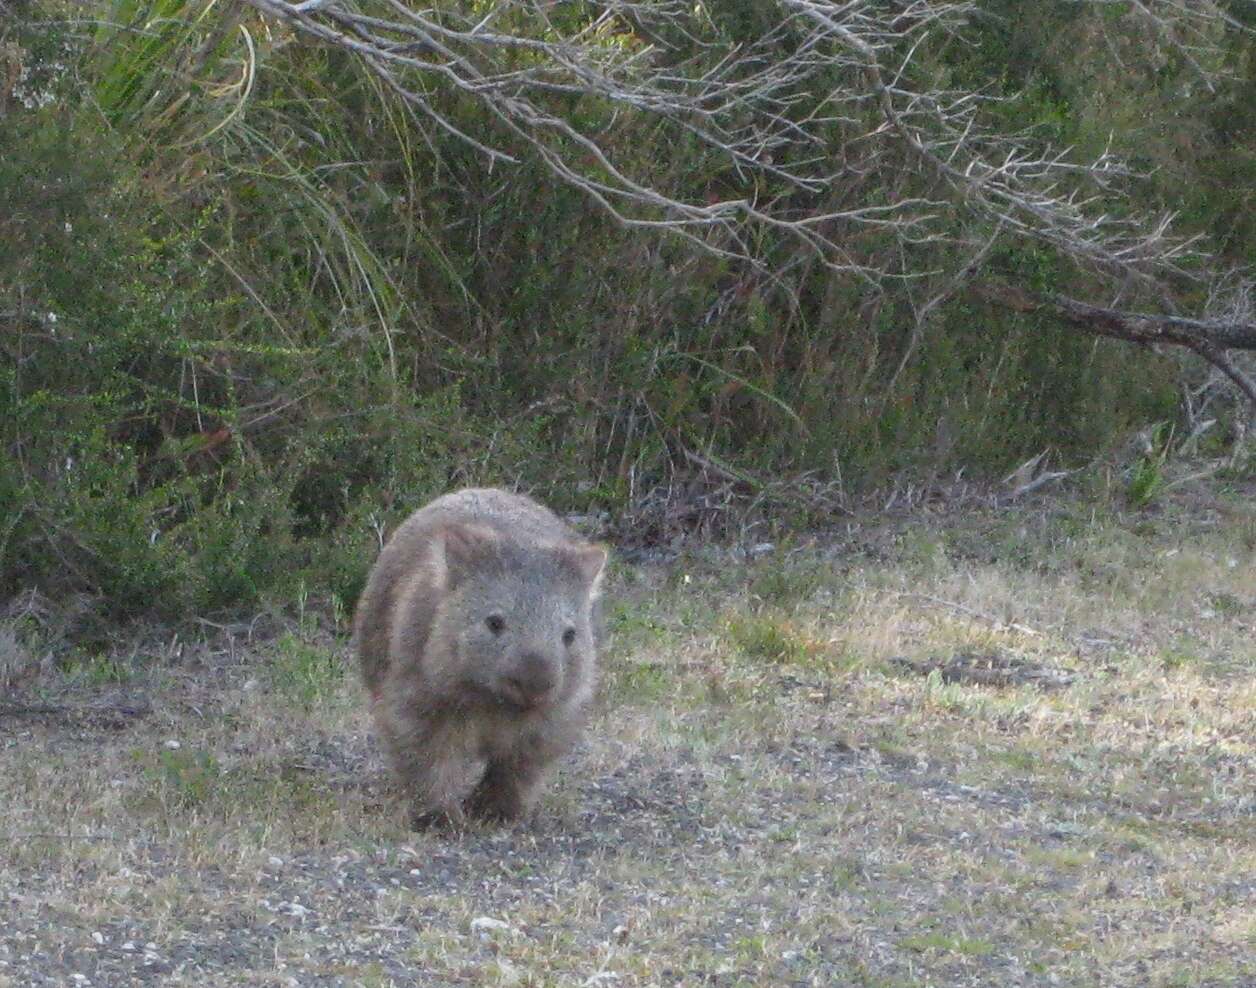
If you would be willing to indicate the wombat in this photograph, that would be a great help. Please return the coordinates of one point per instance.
(476, 638)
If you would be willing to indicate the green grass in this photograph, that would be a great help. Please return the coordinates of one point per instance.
(767, 638)
(306, 673)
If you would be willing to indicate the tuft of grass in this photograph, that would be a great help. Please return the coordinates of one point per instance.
(643, 683)
(1147, 480)
(948, 944)
(782, 582)
(99, 669)
(185, 778)
(305, 673)
(17, 661)
(1181, 653)
(769, 637)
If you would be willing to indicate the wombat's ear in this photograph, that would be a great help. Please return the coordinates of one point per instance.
(590, 562)
(458, 549)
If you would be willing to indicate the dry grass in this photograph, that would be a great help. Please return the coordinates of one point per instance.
(769, 796)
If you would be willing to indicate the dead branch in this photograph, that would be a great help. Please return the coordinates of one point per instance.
(829, 94)
(1210, 338)
(973, 613)
(769, 108)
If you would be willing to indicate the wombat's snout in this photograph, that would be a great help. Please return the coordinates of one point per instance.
(531, 681)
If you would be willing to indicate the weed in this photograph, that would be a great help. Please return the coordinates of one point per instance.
(187, 777)
(769, 638)
(99, 669)
(304, 673)
(781, 583)
(1180, 653)
(643, 682)
(1228, 604)
(633, 626)
(947, 943)
(1147, 479)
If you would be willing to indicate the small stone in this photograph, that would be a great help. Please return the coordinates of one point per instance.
(98, 937)
(173, 745)
(486, 925)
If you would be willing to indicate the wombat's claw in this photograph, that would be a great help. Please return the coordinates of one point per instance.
(495, 812)
(432, 820)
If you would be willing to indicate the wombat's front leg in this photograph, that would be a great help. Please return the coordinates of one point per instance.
(432, 787)
(516, 769)
(430, 760)
(508, 789)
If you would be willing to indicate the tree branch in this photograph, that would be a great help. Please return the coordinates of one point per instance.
(1135, 327)
(1210, 338)
(799, 116)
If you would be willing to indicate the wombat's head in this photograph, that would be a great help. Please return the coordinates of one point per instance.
(517, 617)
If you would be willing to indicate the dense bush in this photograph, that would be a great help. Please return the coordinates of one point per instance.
(242, 337)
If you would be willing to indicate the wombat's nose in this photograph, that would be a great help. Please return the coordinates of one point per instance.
(533, 677)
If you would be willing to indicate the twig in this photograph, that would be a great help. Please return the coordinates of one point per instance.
(29, 709)
(1040, 481)
(971, 612)
(120, 710)
(50, 836)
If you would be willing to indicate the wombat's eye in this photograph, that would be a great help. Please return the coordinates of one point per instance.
(569, 637)
(496, 623)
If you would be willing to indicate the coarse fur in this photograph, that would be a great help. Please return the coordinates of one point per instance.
(476, 636)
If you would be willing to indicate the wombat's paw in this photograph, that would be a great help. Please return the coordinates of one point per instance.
(492, 806)
(426, 819)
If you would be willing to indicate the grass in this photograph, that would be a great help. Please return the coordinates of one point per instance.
(766, 795)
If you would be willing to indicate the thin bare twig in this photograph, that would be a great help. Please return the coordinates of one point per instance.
(829, 93)
(971, 612)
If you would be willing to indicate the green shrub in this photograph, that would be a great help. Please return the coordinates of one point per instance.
(240, 339)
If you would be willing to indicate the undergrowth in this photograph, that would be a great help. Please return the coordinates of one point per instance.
(254, 313)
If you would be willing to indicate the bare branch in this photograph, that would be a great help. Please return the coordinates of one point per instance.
(829, 96)
(1147, 329)
(1192, 28)
(1210, 338)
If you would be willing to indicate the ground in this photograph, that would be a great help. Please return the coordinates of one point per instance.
(983, 746)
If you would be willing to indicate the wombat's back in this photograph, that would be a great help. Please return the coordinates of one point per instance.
(404, 568)
(514, 515)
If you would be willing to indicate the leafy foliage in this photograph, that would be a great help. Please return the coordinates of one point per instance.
(254, 312)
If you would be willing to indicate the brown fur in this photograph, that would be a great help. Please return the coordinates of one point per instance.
(476, 639)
